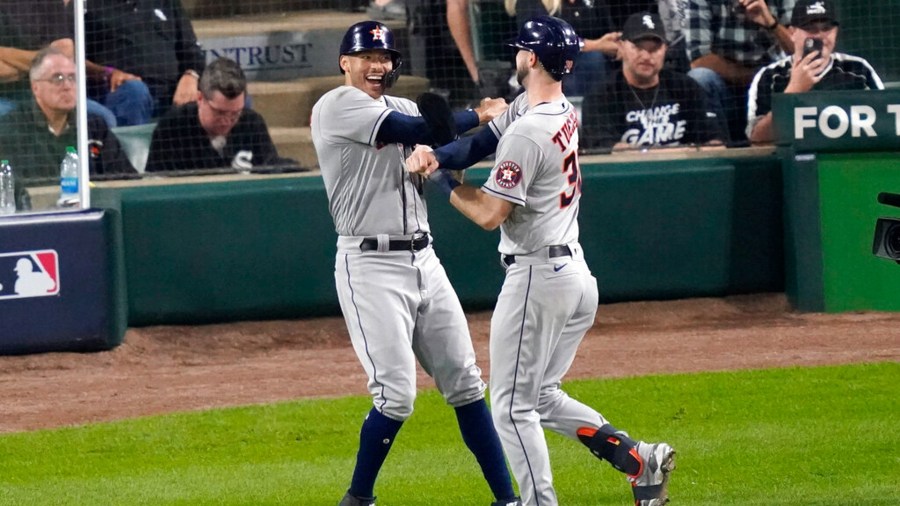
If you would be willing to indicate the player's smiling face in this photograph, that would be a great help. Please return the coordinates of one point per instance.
(366, 70)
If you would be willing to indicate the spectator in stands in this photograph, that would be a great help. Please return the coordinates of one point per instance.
(621, 10)
(215, 131)
(383, 10)
(727, 42)
(592, 22)
(673, 13)
(461, 31)
(644, 105)
(154, 43)
(35, 135)
(27, 27)
(813, 70)
(441, 31)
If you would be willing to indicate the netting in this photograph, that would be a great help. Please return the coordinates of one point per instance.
(149, 117)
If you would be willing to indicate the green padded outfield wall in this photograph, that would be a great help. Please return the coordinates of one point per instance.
(650, 230)
(263, 248)
(853, 277)
(234, 250)
(840, 151)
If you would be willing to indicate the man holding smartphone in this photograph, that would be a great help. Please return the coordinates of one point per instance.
(813, 66)
(727, 42)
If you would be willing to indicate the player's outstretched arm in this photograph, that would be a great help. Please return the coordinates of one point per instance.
(467, 151)
(490, 108)
(410, 130)
(458, 155)
(486, 211)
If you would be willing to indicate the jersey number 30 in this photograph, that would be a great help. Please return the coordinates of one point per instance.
(573, 175)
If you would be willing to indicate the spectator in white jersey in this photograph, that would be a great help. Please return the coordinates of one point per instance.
(644, 105)
(814, 66)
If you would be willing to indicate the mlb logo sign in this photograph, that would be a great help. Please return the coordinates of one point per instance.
(26, 274)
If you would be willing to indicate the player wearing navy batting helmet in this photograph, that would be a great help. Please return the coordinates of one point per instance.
(549, 297)
(396, 298)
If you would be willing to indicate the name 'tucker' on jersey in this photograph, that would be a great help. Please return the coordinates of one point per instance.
(537, 170)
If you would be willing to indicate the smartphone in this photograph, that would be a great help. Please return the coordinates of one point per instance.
(812, 44)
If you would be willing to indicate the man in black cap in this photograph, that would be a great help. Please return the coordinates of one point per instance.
(814, 66)
(643, 105)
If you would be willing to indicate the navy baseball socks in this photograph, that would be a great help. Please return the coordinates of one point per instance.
(378, 433)
(375, 439)
(647, 465)
(478, 433)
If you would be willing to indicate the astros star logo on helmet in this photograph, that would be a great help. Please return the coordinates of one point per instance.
(377, 33)
(508, 174)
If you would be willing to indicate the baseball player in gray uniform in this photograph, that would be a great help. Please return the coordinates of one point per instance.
(549, 297)
(396, 299)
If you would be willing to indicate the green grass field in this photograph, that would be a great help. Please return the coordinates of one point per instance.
(810, 436)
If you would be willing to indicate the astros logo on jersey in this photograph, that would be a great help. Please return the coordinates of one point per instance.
(377, 33)
(29, 274)
(508, 175)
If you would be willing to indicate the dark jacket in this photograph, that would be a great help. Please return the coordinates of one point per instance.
(30, 26)
(153, 39)
(180, 142)
(35, 153)
(673, 113)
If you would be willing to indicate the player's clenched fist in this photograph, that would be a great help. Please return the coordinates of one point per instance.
(422, 160)
(490, 108)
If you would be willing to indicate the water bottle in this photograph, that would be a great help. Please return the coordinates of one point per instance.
(7, 188)
(68, 179)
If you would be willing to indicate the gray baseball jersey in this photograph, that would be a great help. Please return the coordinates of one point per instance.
(549, 297)
(546, 195)
(516, 110)
(396, 298)
(369, 191)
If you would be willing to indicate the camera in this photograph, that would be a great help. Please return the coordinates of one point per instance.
(886, 243)
(812, 44)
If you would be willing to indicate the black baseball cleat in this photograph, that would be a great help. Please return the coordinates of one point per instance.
(352, 500)
(510, 502)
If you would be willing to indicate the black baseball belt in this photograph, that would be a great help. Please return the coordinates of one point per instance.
(414, 244)
(557, 250)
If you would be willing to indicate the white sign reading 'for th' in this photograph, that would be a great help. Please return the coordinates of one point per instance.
(836, 121)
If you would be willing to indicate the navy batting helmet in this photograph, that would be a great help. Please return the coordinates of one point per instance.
(553, 40)
(367, 35)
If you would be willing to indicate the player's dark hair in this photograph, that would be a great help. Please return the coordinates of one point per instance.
(225, 76)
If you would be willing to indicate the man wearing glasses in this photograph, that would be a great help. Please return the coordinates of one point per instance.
(814, 66)
(34, 136)
(216, 131)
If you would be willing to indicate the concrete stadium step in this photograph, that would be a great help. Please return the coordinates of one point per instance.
(198, 9)
(296, 21)
(295, 143)
(289, 103)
